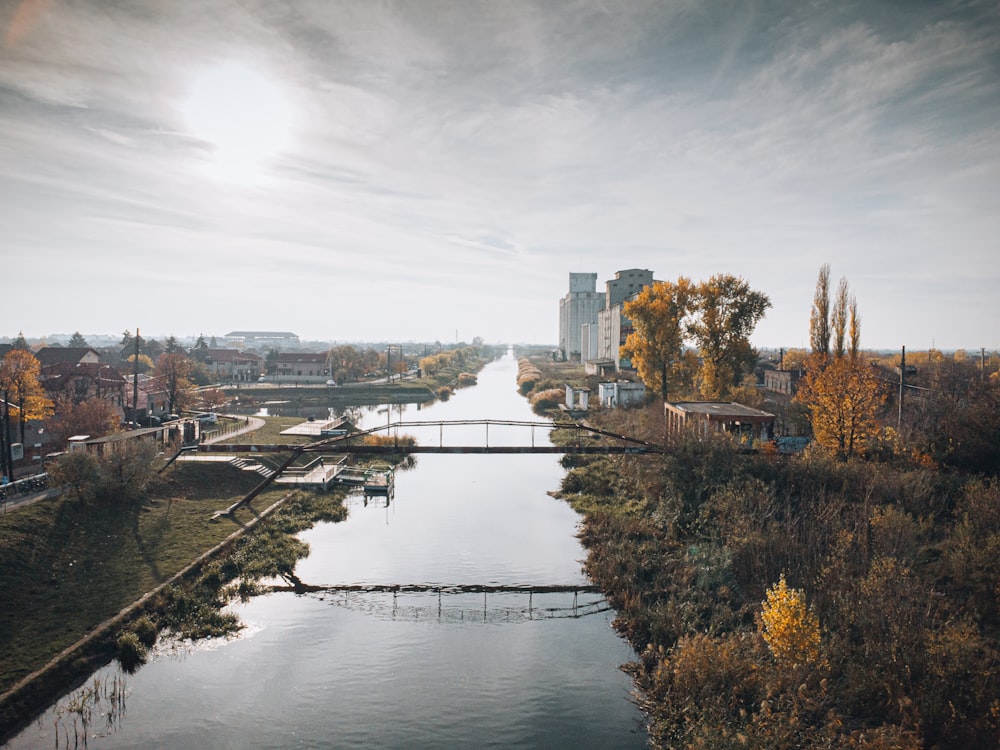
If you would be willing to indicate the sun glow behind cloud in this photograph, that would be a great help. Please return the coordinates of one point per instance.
(243, 116)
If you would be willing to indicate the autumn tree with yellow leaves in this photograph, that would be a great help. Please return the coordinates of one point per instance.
(844, 398)
(717, 315)
(20, 385)
(659, 316)
(842, 393)
(790, 628)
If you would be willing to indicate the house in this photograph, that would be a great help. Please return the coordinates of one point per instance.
(234, 365)
(621, 393)
(782, 381)
(302, 367)
(76, 355)
(706, 417)
(81, 381)
(153, 397)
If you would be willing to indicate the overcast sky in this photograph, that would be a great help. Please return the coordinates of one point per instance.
(423, 170)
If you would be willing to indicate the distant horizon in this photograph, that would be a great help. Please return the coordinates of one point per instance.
(59, 337)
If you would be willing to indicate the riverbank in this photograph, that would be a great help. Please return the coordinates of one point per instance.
(797, 602)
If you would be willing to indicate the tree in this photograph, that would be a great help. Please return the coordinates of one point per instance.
(20, 382)
(145, 363)
(844, 398)
(819, 318)
(77, 341)
(21, 343)
(120, 474)
(174, 370)
(838, 319)
(152, 349)
(727, 311)
(658, 315)
(127, 347)
(200, 351)
(126, 471)
(94, 417)
(855, 329)
(271, 360)
(171, 346)
(789, 627)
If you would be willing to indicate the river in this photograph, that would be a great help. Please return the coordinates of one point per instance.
(410, 670)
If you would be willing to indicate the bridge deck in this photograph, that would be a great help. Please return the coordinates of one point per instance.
(383, 450)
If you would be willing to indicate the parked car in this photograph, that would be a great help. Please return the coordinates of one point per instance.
(332, 383)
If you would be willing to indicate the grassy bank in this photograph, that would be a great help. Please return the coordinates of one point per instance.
(67, 565)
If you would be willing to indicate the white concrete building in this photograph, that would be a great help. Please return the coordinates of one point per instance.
(621, 393)
(580, 305)
(613, 327)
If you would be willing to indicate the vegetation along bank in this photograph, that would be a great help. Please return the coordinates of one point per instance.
(841, 596)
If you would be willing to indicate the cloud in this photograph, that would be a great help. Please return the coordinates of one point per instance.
(441, 147)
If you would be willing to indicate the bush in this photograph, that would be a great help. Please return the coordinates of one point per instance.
(145, 630)
(76, 473)
(444, 393)
(131, 651)
(528, 376)
(544, 401)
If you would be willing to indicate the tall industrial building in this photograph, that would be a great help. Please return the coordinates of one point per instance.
(580, 306)
(613, 327)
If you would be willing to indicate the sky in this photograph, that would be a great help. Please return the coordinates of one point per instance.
(423, 170)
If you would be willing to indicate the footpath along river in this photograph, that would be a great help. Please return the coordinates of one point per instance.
(410, 670)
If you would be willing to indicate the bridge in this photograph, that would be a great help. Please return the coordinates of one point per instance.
(589, 440)
(354, 442)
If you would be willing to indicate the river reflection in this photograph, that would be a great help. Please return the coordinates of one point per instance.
(457, 668)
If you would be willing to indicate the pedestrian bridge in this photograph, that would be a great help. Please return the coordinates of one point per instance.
(390, 441)
(587, 440)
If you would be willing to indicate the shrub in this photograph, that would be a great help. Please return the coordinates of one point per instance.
(466, 379)
(543, 401)
(131, 651)
(145, 630)
(444, 393)
(527, 376)
(790, 629)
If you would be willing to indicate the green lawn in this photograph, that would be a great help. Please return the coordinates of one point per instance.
(66, 566)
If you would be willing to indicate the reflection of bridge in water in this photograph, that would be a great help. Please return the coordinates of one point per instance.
(489, 603)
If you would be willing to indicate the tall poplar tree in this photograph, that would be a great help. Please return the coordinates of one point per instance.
(838, 318)
(819, 318)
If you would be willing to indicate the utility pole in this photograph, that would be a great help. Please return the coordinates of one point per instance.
(982, 363)
(135, 384)
(902, 386)
(8, 463)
